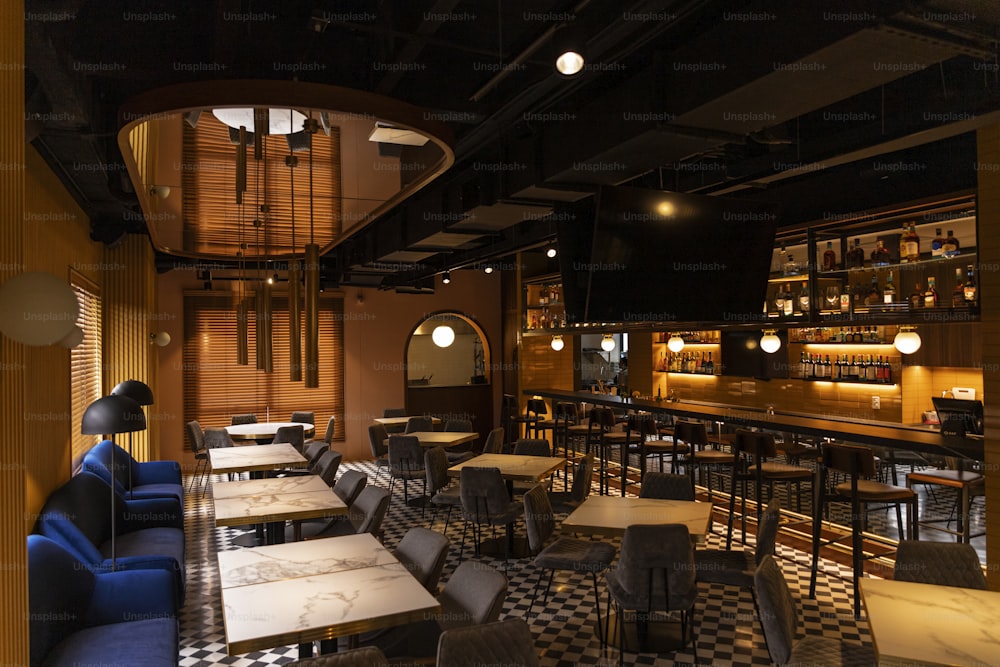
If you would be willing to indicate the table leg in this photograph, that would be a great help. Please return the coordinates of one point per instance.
(624, 462)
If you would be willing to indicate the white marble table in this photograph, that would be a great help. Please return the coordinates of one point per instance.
(274, 500)
(924, 624)
(265, 431)
(442, 438)
(611, 515)
(400, 421)
(255, 459)
(316, 590)
(513, 467)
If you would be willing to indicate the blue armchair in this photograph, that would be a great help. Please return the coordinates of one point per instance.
(152, 479)
(77, 617)
(149, 532)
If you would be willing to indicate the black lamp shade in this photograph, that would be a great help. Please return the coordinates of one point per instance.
(113, 414)
(136, 390)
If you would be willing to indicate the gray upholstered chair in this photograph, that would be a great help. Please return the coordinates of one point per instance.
(703, 452)
(364, 516)
(414, 424)
(438, 484)
(565, 553)
(655, 573)
(779, 621)
(350, 485)
(485, 501)
(462, 452)
(583, 477)
(458, 425)
(248, 418)
(494, 442)
(406, 462)
(197, 438)
(328, 465)
(331, 429)
(666, 486)
(366, 656)
(942, 563)
(736, 568)
(377, 435)
(394, 412)
(532, 447)
(293, 435)
(313, 450)
(304, 417)
(216, 436)
(506, 642)
(423, 552)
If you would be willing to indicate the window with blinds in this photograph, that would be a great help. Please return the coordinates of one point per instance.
(85, 362)
(216, 387)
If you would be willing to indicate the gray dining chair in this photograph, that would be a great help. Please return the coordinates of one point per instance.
(438, 484)
(394, 412)
(462, 452)
(215, 437)
(304, 417)
(666, 486)
(197, 438)
(494, 441)
(377, 436)
(364, 516)
(583, 479)
(485, 502)
(423, 553)
(292, 435)
(406, 462)
(736, 568)
(414, 424)
(942, 563)
(507, 642)
(366, 656)
(350, 485)
(248, 418)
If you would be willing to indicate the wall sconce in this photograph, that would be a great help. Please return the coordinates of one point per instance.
(38, 309)
(907, 340)
(770, 342)
(446, 277)
(608, 343)
(160, 338)
(557, 342)
(161, 191)
(443, 335)
(675, 343)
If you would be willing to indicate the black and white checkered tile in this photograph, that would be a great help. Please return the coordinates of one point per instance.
(563, 627)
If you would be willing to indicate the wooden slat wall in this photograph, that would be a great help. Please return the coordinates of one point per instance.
(13, 557)
(988, 205)
(129, 313)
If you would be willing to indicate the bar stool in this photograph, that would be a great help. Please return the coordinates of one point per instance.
(512, 420)
(641, 428)
(602, 420)
(967, 483)
(751, 451)
(568, 430)
(700, 454)
(534, 415)
(858, 463)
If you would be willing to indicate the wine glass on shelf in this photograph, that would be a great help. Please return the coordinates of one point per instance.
(832, 297)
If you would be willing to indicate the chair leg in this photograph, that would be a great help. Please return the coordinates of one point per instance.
(597, 604)
(538, 584)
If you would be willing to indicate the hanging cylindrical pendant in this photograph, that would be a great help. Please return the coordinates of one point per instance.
(258, 336)
(242, 313)
(241, 166)
(266, 315)
(312, 315)
(294, 321)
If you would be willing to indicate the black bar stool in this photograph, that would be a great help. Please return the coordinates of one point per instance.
(700, 455)
(602, 420)
(858, 463)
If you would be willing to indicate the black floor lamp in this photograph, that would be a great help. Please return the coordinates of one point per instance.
(107, 416)
(141, 394)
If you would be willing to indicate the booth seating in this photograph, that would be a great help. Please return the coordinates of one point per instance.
(149, 532)
(79, 617)
(152, 479)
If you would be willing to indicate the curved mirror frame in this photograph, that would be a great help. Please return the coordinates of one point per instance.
(370, 176)
(465, 362)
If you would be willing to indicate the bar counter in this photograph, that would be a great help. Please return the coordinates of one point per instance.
(926, 439)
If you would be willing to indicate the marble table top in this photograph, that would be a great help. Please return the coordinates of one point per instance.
(256, 505)
(256, 487)
(442, 438)
(513, 467)
(400, 421)
(257, 457)
(611, 515)
(361, 591)
(265, 430)
(924, 624)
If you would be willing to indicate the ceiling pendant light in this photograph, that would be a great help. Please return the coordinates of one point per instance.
(279, 121)
(568, 46)
(551, 251)
(443, 335)
(907, 341)
(557, 343)
(294, 289)
(446, 278)
(608, 342)
(770, 342)
(675, 343)
(311, 281)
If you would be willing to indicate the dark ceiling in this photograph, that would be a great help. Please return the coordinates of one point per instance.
(786, 100)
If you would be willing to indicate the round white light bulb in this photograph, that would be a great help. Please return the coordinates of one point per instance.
(443, 335)
(607, 343)
(907, 341)
(675, 343)
(557, 343)
(569, 63)
(38, 308)
(770, 343)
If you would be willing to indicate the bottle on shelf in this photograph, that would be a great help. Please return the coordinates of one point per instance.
(912, 244)
(930, 294)
(829, 258)
(969, 289)
(880, 255)
(874, 296)
(889, 293)
(902, 243)
(917, 297)
(805, 368)
(951, 245)
(710, 365)
(803, 304)
(887, 371)
(779, 300)
(958, 293)
(937, 245)
(871, 370)
(856, 256)
(790, 302)
(791, 267)
(543, 296)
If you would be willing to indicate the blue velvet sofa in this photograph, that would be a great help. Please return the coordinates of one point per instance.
(149, 532)
(78, 617)
(151, 479)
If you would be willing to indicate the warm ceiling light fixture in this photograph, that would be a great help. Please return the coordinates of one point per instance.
(770, 342)
(446, 278)
(608, 343)
(552, 251)
(160, 338)
(280, 121)
(907, 341)
(443, 335)
(675, 343)
(569, 51)
(488, 269)
(557, 342)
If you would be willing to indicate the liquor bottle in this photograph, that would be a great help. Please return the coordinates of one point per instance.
(887, 372)
(779, 300)
(874, 293)
(902, 243)
(791, 267)
(827, 368)
(937, 245)
(829, 258)
(889, 293)
(917, 297)
(804, 298)
(543, 321)
(789, 302)
(543, 296)
(930, 294)
(710, 367)
(958, 293)
(855, 371)
(880, 255)
(871, 370)
(969, 288)
(804, 367)
(912, 244)
(951, 245)
(856, 256)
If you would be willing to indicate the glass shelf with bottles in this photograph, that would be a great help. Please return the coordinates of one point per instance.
(852, 368)
(686, 362)
(544, 308)
(951, 288)
(843, 336)
(697, 356)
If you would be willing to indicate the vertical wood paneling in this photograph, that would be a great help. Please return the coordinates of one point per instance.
(130, 316)
(988, 205)
(13, 358)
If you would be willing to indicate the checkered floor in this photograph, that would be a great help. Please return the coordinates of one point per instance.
(727, 632)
